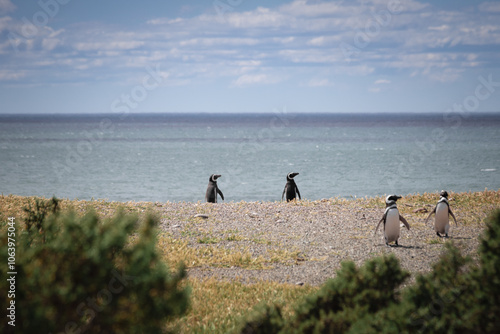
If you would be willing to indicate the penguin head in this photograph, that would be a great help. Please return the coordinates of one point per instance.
(443, 193)
(290, 176)
(214, 177)
(391, 199)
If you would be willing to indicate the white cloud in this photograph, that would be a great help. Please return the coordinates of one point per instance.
(284, 40)
(357, 70)
(318, 83)
(219, 41)
(306, 8)
(4, 23)
(252, 79)
(440, 28)
(6, 6)
(443, 75)
(248, 63)
(301, 36)
(49, 44)
(310, 56)
(490, 7)
(9, 75)
(161, 21)
(378, 85)
(259, 18)
(115, 45)
(318, 41)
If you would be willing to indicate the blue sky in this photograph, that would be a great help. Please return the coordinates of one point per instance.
(107, 56)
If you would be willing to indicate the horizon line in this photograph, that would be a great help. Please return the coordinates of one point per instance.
(402, 113)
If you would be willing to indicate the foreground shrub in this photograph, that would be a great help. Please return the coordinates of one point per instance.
(354, 294)
(80, 274)
(486, 281)
(458, 296)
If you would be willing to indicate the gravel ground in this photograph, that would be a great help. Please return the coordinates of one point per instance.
(322, 234)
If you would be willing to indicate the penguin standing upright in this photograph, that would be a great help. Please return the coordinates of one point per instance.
(213, 190)
(442, 211)
(391, 220)
(291, 188)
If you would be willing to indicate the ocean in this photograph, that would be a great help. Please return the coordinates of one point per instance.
(170, 157)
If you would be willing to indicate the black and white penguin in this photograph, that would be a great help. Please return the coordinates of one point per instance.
(213, 190)
(291, 188)
(442, 211)
(391, 220)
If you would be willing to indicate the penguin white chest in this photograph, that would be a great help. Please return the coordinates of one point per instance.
(391, 231)
(442, 221)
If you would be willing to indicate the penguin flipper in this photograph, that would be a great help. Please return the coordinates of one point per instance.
(430, 214)
(220, 193)
(283, 195)
(451, 213)
(298, 192)
(381, 220)
(404, 222)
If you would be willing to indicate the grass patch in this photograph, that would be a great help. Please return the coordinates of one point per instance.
(355, 237)
(234, 237)
(208, 240)
(174, 251)
(218, 306)
(435, 241)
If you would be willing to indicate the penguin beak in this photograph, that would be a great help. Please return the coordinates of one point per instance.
(292, 175)
(216, 176)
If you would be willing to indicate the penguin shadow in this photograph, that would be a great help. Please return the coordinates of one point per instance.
(400, 246)
(456, 238)
(405, 246)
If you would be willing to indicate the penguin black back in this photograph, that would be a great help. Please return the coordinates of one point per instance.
(213, 189)
(291, 188)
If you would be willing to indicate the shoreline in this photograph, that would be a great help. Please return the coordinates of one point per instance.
(201, 201)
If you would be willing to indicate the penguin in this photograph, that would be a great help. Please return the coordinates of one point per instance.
(213, 190)
(442, 211)
(391, 220)
(291, 188)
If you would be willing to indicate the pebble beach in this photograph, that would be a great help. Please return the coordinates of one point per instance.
(302, 242)
(319, 234)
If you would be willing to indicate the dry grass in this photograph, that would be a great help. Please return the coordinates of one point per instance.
(174, 251)
(218, 305)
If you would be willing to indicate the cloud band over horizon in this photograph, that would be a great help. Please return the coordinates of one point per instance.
(394, 55)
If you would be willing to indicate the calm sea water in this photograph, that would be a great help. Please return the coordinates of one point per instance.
(169, 157)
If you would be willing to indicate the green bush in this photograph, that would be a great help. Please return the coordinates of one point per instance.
(266, 319)
(36, 216)
(457, 296)
(352, 295)
(486, 280)
(80, 274)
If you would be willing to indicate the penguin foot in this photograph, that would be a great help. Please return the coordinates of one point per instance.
(446, 235)
(396, 242)
(439, 235)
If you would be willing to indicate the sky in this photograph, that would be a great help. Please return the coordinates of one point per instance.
(120, 56)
